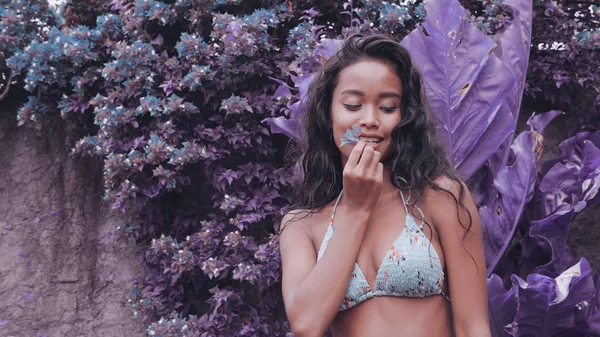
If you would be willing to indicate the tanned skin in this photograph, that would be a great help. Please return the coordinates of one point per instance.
(368, 219)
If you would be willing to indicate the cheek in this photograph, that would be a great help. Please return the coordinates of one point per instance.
(339, 126)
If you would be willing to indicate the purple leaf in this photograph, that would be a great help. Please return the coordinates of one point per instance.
(291, 126)
(158, 40)
(569, 184)
(328, 47)
(288, 127)
(514, 184)
(551, 235)
(513, 50)
(466, 84)
(282, 91)
(351, 136)
(539, 122)
(587, 319)
(502, 305)
(547, 305)
(302, 83)
(571, 179)
(151, 191)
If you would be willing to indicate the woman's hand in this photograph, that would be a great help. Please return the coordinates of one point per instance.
(363, 177)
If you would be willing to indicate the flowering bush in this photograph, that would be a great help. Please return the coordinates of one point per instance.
(190, 104)
(563, 72)
(20, 23)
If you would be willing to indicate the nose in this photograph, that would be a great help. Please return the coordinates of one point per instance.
(369, 118)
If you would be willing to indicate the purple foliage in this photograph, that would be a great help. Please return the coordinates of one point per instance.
(513, 45)
(569, 184)
(544, 306)
(461, 76)
(503, 306)
(514, 186)
(587, 318)
(565, 72)
(547, 306)
(21, 22)
(185, 99)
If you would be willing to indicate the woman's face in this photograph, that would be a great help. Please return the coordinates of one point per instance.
(368, 93)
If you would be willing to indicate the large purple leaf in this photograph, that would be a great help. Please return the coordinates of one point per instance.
(548, 305)
(570, 149)
(513, 49)
(502, 305)
(291, 126)
(587, 319)
(550, 234)
(514, 186)
(573, 177)
(569, 184)
(466, 84)
(288, 127)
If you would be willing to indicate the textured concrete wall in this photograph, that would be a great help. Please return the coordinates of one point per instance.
(56, 276)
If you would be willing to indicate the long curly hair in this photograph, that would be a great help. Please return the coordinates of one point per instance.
(417, 158)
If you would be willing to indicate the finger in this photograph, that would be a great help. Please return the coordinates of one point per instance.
(355, 154)
(374, 161)
(379, 175)
(365, 159)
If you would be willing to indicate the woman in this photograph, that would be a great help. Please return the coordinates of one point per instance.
(384, 239)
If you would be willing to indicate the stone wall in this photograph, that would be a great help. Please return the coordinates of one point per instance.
(57, 276)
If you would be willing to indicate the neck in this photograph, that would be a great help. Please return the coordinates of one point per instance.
(388, 187)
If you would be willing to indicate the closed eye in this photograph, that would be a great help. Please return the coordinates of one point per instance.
(355, 107)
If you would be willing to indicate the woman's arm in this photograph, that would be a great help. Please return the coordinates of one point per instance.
(313, 291)
(465, 261)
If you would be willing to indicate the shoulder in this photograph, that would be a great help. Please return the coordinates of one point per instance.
(298, 221)
(304, 222)
(451, 197)
(294, 216)
(450, 189)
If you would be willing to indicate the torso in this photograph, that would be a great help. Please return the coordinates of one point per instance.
(378, 316)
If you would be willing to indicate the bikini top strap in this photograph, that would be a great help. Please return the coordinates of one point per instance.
(404, 201)
(335, 207)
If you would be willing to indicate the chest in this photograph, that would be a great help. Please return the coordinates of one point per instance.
(385, 231)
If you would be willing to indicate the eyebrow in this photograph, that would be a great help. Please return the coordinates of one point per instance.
(360, 93)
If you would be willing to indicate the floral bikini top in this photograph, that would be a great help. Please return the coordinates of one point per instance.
(410, 268)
